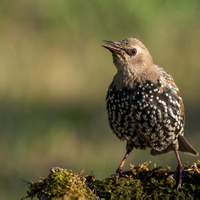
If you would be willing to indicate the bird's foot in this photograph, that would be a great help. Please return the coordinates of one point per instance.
(179, 173)
(120, 174)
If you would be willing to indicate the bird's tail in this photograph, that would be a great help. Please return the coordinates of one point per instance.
(184, 146)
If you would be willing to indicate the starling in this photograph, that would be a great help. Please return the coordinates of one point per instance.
(144, 105)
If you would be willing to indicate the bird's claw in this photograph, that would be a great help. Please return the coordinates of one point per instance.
(180, 173)
(120, 174)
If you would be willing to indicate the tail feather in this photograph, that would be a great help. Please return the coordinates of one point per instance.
(183, 144)
(185, 147)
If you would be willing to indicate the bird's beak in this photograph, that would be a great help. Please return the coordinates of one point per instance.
(113, 47)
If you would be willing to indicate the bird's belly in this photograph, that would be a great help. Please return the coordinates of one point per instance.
(144, 128)
(127, 126)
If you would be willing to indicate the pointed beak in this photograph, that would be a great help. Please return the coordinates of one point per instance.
(113, 47)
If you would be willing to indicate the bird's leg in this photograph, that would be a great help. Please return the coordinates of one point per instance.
(119, 172)
(180, 171)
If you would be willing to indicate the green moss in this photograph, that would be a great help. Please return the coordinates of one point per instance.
(60, 182)
(144, 183)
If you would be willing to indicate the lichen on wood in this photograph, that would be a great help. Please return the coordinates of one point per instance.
(144, 183)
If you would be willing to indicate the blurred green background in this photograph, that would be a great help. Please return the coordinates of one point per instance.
(54, 75)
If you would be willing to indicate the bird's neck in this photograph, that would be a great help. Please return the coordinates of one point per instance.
(129, 76)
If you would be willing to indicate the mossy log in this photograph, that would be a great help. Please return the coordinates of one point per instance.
(144, 183)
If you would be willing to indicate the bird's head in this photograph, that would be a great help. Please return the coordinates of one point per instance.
(129, 55)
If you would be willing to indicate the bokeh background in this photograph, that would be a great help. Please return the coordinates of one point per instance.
(54, 75)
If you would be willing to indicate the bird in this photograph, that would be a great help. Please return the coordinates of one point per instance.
(144, 105)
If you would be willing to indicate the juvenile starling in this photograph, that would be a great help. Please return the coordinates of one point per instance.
(144, 105)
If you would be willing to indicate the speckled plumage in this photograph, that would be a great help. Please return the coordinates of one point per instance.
(144, 116)
(144, 104)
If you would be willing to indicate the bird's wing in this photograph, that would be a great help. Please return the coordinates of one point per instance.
(170, 87)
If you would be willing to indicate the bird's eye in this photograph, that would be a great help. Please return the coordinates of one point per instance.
(133, 52)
